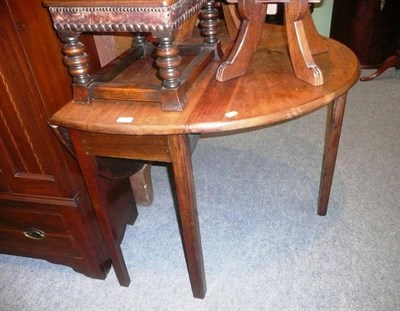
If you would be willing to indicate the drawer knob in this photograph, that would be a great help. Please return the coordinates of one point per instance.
(35, 234)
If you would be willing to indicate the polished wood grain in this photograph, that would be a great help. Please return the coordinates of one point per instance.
(263, 100)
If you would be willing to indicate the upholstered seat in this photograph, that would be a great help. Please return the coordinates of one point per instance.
(117, 15)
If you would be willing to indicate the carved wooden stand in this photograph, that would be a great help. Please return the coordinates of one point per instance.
(303, 39)
(160, 18)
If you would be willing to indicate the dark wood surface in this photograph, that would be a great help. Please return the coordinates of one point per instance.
(267, 94)
(371, 28)
(45, 210)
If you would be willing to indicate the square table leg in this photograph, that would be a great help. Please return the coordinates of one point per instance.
(90, 174)
(187, 210)
(333, 129)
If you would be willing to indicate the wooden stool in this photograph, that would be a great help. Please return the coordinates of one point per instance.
(160, 18)
(303, 38)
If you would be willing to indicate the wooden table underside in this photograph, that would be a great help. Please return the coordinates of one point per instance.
(267, 94)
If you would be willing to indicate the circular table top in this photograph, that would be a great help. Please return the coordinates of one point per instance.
(269, 93)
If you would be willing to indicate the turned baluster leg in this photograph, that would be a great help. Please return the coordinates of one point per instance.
(173, 96)
(139, 40)
(333, 129)
(77, 62)
(300, 54)
(168, 62)
(179, 147)
(209, 22)
(253, 15)
(209, 26)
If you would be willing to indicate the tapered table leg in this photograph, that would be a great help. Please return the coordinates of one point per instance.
(333, 129)
(90, 174)
(187, 209)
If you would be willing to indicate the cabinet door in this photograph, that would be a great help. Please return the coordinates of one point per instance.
(34, 84)
(371, 28)
(24, 137)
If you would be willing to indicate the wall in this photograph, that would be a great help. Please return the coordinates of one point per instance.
(322, 16)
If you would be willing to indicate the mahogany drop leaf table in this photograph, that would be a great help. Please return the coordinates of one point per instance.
(269, 93)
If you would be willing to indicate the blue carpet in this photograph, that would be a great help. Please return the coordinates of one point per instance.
(264, 246)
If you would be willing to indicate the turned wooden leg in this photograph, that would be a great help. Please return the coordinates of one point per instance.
(300, 54)
(139, 41)
(173, 96)
(209, 27)
(333, 129)
(88, 166)
(77, 62)
(183, 177)
(209, 22)
(252, 15)
(168, 62)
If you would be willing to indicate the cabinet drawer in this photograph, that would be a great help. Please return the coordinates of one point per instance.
(34, 232)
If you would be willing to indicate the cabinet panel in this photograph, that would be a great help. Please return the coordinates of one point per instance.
(22, 129)
(33, 85)
(371, 28)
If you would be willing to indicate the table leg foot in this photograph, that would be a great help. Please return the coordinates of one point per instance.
(333, 129)
(179, 146)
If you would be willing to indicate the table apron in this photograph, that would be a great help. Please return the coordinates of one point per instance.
(148, 147)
